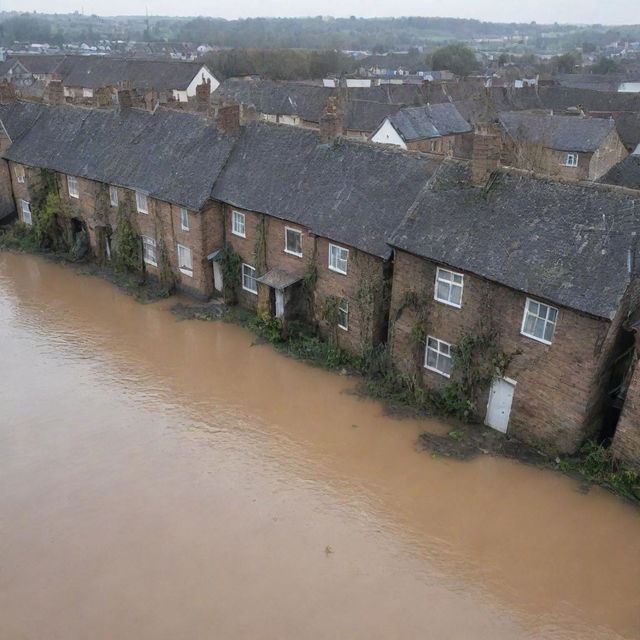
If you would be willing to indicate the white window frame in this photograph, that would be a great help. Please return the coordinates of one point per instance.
(253, 277)
(441, 276)
(26, 212)
(343, 307)
(74, 191)
(19, 173)
(334, 265)
(142, 199)
(238, 216)
(574, 160)
(113, 195)
(287, 250)
(184, 219)
(146, 240)
(439, 352)
(537, 315)
(188, 271)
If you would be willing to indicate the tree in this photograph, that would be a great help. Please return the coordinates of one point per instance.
(566, 63)
(588, 47)
(605, 65)
(456, 58)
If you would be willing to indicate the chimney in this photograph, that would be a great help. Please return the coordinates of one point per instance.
(203, 94)
(330, 122)
(486, 152)
(125, 99)
(103, 97)
(228, 117)
(54, 93)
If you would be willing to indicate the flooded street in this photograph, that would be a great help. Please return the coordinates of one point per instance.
(167, 480)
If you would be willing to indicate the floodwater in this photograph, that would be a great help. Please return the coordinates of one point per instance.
(169, 480)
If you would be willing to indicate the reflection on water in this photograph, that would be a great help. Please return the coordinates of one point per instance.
(164, 479)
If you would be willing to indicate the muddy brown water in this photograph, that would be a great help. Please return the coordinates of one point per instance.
(168, 480)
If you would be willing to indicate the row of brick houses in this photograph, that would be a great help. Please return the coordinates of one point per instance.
(551, 267)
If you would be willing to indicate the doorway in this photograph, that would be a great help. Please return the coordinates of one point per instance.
(499, 404)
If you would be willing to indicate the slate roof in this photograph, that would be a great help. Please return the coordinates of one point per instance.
(95, 72)
(563, 133)
(40, 64)
(306, 101)
(17, 117)
(170, 155)
(566, 243)
(592, 81)
(431, 121)
(349, 192)
(624, 174)
(362, 115)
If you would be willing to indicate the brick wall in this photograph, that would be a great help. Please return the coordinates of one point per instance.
(7, 204)
(162, 222)
(609, 154)
(626, 442)
(367, 322)
(554, 399)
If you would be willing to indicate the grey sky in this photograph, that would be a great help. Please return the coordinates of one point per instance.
(548, 11)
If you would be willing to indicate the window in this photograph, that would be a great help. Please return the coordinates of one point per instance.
(72, 186)
(185, 262)
(113, 196)
(343, 314)
(141, 202)
(293, 241)
(539, 321)
(184, 219)
(237, 224)
(338, 258)
(437, 356)
(448, 287)
(149, 251)
(26, 212)
(19, 171)
(249, 279)
(571, 160)
(433, 145)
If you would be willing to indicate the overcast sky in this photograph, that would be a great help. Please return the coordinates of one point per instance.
(548, 11)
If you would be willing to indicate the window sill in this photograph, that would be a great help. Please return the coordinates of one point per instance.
(238, 235)
(184, 228)
(187, 272)
(153, 264)
(255, 293)
(449, 304)
(77, 197)
(145, 212)
(342, 273)
(542, 340)
(293, 253)
(441, 373)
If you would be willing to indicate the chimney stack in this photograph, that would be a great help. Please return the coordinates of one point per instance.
(54, 92)
(330, 122)
(203, 94)
(486, 153)
(125, 99)
(227, 117)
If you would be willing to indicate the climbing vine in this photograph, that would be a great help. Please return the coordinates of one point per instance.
(231, 266)
(127, 246)
(329, 315)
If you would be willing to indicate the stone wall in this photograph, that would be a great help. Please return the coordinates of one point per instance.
(554, 397)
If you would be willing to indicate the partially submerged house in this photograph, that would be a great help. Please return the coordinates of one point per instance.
(569, 147)
(537, 278)
(294, 205)
(437, 128)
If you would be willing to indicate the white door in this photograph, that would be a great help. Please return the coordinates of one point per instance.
(499, 405)
(217, 276)
(279, 303)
